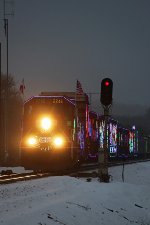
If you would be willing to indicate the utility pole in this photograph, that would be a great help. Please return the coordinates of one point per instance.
(0, 105)
(106, 100)
(7, 82)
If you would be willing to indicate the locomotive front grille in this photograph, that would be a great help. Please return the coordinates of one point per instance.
(45, 139)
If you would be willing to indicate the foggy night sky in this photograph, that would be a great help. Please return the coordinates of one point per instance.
(54, 42)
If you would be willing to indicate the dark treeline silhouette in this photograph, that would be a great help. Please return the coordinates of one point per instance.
(10, 113)
(140, 122)
(128, 115)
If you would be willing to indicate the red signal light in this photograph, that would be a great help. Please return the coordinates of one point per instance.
(106, 91)
(107, 83)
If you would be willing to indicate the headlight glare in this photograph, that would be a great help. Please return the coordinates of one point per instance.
(58, 142)
(32, 141)
(46, 123)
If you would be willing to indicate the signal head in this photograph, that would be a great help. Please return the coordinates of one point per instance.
(106, 91)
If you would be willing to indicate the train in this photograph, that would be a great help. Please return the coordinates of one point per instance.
(59, 131)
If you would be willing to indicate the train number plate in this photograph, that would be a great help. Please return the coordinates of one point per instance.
(44, 139)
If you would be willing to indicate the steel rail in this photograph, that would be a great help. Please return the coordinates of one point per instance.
(80, 171)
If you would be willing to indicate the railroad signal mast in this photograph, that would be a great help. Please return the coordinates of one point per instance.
(106, 101)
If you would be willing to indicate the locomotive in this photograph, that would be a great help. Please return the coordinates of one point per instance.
(59, 131)
(54, 131)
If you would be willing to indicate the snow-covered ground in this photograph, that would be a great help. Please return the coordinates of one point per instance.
(70, 201)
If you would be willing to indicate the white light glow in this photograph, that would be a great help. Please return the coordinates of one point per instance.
(32, 141)
(46, 123)
(58, 141)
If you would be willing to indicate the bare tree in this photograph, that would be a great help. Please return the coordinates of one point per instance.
(13, 113)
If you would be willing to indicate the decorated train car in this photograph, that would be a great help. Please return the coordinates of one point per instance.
(93, 136)
(59, 131)
(54, 131)
(121, 142)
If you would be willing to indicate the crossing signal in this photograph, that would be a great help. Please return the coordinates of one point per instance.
(106, 91)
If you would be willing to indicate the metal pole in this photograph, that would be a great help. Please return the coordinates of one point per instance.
(146, 146)
(7, 85)
(6, 97)
(103, 152)
(0, 107)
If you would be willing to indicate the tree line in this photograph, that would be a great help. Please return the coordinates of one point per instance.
(11, 105)
(141, 122)
(129, 117)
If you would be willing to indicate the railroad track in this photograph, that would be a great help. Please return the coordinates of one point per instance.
(76, 172)
(12, 178)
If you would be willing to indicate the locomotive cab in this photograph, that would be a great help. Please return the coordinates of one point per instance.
(48, 138)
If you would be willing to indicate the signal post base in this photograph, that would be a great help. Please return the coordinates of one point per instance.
(103, 167)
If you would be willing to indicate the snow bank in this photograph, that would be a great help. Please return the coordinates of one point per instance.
(71, 201)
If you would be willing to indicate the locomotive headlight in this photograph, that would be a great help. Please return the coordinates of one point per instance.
(32, 141)
(58, 142)
(46, 123)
